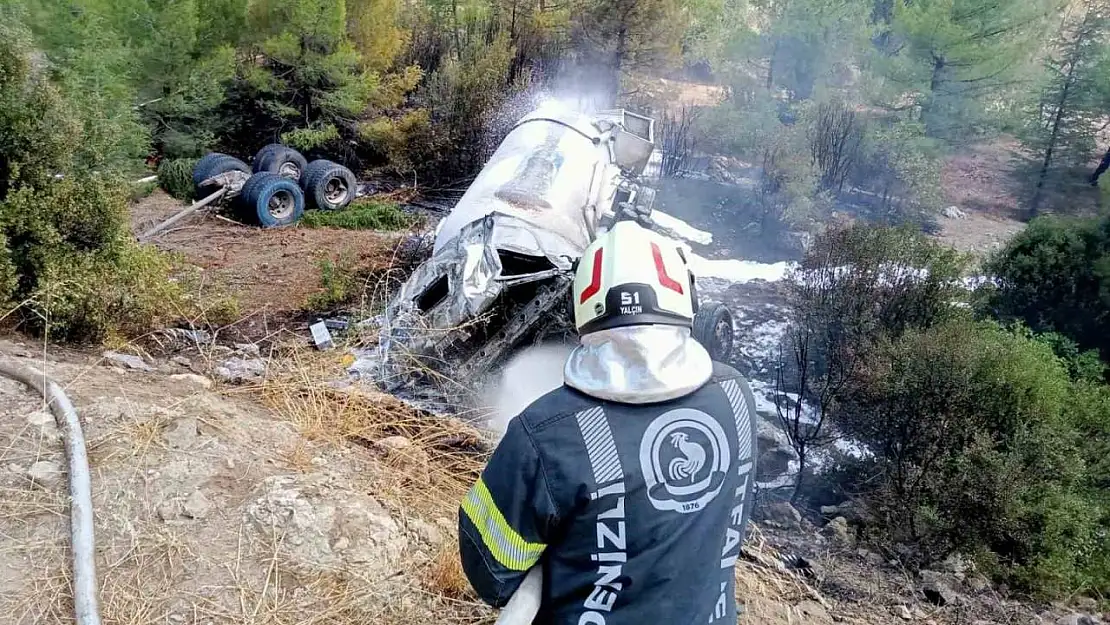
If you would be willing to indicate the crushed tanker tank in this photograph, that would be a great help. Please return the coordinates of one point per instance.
(503, 260)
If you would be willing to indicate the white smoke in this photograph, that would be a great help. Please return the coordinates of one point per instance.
(530, 374)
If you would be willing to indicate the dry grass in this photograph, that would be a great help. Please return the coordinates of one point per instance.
(766, 589)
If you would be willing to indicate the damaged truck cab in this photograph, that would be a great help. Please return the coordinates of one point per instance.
(503, 259)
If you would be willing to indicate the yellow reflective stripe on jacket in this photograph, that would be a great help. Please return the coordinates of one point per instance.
(508, 547)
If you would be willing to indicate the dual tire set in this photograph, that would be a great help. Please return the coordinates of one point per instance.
(282, 182)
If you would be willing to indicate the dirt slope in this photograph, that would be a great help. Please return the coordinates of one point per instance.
(208, 510)
(271, 272)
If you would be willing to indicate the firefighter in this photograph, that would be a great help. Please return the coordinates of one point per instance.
(630, 485)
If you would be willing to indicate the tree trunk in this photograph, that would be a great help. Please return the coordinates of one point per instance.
(929, 111)
(1103, 165)
(799, 482)
(455, 28)
(1054, 136)
(771, 65)
(617, 63)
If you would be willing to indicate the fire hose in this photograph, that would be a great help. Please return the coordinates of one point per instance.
(525, 602)
(80, 489)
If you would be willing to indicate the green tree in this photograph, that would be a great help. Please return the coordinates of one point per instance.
(1074, 98)
(953, 56)
(616, 37)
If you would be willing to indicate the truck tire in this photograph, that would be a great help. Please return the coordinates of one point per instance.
(328, 185)
(211, 165)
(279, 159)
(271, 201)
(713, 328)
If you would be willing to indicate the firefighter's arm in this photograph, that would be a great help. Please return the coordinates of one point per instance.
(506, 519)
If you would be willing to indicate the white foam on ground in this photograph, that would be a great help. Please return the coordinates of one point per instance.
(737, 271)
(681, 228)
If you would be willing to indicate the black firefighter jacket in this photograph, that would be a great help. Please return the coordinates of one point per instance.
(635, 512)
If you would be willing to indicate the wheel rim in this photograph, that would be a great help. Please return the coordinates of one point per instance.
(336, 191)
(722, 337)
(289, 170)
(281, 205)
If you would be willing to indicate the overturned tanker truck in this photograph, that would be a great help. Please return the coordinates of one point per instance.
(503, 260)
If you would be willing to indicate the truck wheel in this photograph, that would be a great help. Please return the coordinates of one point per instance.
(271, 201)
(329, 185)
(281, 160)
(713, 329)
(212, 165)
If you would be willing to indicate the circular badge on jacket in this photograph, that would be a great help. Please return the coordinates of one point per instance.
(684, 456)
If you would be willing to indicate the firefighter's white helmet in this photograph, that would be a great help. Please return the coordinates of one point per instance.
(630, 275)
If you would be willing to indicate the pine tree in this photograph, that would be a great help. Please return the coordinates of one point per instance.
(1070, 104)
(957, 54)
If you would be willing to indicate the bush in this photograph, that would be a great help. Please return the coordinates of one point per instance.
(338, 281)
(175, 176)
(1055, 277)
(77, 271)
(975, 448)
(362, 215)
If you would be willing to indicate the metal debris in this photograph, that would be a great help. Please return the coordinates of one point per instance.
(321, 336)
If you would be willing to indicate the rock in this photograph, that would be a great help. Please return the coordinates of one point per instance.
(168, 510)
(954, 564)
(395, 443)
(830, 511)
(1078, 619)
(199, 337)
(45, 473)
(813, 613)
(15, 468)
(854, 512)
(181, 433)
(838, 533)
(1086, 604)
(128, 361)
(181, 361)
(903, 613)
(40, 418)
(782, 514)
(237, 370)
(938, 593)
(249, 349)
(954, 212)
(196, 506)
(44, 422)
(775, 452)
(192, 379)
(324, 532)
(426, 532)
(977, 583)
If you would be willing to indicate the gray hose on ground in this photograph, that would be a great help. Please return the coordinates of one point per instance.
(525, 602)
(80, 489)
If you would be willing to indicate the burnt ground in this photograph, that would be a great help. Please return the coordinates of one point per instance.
(270, 273)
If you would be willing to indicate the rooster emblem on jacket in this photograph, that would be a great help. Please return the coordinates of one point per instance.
(689, 462)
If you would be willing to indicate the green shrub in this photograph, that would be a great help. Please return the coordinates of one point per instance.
(175, 176)
(362, 215)
(976, 447)
(337, 283)
(125, 289)
(77, 271)
(1055, 277)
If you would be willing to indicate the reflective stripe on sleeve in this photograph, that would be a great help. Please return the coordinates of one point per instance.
(507, 546)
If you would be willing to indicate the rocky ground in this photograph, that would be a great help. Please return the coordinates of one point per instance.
(283, 500)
